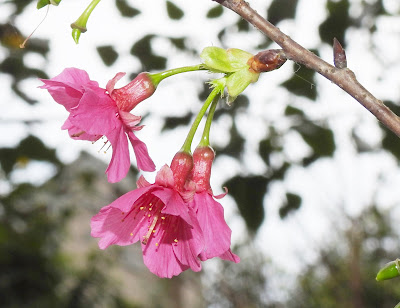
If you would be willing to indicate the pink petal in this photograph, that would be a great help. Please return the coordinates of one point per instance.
(190, 243)
(217, 234)
(230, 256)
(109, 224)
(159, 256)
(174, 205)
(143, 160)
(67, 88)
(120, 161)
(95, 114)
(111, 83)
(77, 133)
(142, 182)
(129, 120)
(165, 177)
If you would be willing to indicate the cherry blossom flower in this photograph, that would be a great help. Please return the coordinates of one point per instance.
(95, 112)
(158, 216)
(209, 212)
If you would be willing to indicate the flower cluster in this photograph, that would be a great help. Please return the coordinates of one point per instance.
(177, 219)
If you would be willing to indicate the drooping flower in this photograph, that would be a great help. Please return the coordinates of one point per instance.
(209, 212)
(158, 216)
(96, 112)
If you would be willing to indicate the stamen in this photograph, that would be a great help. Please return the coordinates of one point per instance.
(105, 142)
(78, 134)
(151, 228)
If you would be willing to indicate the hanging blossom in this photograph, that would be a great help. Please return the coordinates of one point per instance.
(209, 212)
(95, 112)
(158, 216)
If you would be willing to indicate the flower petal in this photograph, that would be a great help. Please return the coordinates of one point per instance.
(165, 177)
(120, 161)
(129, 119)
(77, 133)
(67, 87)
(143, 160)
(189, 243)
(111, 83)
(230, 256)
(159, 257)
(217, 234)
(95, 114)
(174, 205)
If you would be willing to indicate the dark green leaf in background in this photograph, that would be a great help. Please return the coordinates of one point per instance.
(302, 82)
(248, 193)
(215, 12)
(174, 122)
(125, 9)
(293, 203)
(107, 54)
(336, 23)
(174, 12)
(280, 10)
(142, 49)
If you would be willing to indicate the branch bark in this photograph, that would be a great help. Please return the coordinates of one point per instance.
(342, 77)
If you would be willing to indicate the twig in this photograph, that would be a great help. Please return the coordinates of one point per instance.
(342, 77)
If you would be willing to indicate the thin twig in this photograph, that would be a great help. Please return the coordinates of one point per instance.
(342, 77)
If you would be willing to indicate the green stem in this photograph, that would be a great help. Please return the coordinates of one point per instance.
(79, 26)
(188, 142)
(158, 77)
(205, 139)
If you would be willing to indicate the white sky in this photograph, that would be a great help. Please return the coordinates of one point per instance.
(347, 181)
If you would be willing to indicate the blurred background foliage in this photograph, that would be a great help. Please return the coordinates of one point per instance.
(48, 259)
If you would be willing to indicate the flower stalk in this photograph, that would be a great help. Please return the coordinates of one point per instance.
(79, 26)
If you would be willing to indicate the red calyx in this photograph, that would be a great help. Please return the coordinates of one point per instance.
(203, 158)
(181, 166)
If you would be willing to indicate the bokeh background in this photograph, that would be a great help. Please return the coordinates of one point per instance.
(313, 178)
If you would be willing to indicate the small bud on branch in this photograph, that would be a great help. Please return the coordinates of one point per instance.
(339, 55)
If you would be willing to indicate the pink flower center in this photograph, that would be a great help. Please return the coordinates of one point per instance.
(149, 207)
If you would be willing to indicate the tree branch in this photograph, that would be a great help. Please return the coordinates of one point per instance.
(342, 77)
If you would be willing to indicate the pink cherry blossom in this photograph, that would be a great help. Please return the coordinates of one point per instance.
(158, 216)
(95, 112)
(209, 212)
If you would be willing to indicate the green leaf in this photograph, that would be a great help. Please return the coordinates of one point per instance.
(174, 12)
(142, 49)
(125, 9)
(174, 122)
(248, 193)
(215, 12)
(320, 139)
(107, 54)
(336, 23)
(225, 60)
(293, 202)
(281, 9)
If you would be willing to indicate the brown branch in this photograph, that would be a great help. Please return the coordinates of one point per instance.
(343, 77)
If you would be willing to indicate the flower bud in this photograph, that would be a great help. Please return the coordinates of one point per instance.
(389, 271)
(203, 158)
(267, 60)
(133, 93)
(181, 166)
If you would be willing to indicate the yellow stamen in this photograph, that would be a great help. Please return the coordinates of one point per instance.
(151, 228)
